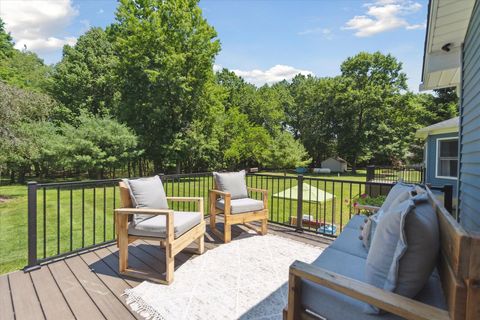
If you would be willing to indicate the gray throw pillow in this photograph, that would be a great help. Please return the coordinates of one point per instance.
(233, 183)
(404, 248)
(147, 193)
(399, 193)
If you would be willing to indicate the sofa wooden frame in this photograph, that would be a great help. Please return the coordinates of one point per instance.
(236, 218)
(459, 269)
(171, 244)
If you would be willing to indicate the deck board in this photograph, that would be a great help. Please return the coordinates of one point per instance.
(50, 297)
(88, 285)
(25, 300)
(6, 306)
(82, 306)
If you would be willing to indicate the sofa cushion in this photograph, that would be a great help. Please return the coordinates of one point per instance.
(404, 249)
(333, 305)
(241, 205)
(233, 183)
(356, 221)
(348, 242)
(146, 193)
(157, 226)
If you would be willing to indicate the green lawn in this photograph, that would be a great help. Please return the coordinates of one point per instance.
(97, 211)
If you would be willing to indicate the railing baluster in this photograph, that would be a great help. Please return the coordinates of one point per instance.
(104, 213)
(71, 218)
(58, 220)
(44, 222)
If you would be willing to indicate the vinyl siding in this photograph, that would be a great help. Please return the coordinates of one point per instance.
(469, 186)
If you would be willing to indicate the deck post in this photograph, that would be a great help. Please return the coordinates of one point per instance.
(32, 226)
(299, 227)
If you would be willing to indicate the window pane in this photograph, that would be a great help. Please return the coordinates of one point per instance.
(448, 168)
(449, 148)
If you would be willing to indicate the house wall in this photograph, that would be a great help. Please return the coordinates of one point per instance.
(431, 161)
(469, 186)
(334, 165)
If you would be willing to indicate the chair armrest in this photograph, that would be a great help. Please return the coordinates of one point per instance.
(385, 300)
(366, 207)
(153, 212)
(220, 193)
(264, 194)
(185, 199)
(198, 200)
(264, 191)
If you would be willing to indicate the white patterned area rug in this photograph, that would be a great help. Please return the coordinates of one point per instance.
(245, 279)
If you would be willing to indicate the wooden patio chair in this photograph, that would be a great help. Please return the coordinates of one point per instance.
(231, 199)
(174, 231)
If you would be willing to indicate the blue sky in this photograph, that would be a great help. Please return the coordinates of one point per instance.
(263, 41)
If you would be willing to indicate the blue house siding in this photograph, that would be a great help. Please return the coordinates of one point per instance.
(469, 186)
(431, 161)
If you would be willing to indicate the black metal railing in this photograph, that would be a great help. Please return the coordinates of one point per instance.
(409, 174)
(68, 217)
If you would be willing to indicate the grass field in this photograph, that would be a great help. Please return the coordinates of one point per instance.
(82, 217)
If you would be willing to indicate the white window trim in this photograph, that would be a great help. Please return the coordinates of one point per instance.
(436, 158)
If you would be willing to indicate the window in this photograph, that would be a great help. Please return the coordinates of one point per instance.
(447, 158)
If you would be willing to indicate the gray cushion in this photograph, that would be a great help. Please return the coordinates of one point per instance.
(399, 193)
(333, 305)
(241, 205)
(348, 242)
(156, 226)
(233, 183)
(404, 249)
(147, 193)
(356, 221)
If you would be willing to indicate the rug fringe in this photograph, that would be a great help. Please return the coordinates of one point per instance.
(136, 303)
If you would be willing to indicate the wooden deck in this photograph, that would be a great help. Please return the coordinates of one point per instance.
(87, 285)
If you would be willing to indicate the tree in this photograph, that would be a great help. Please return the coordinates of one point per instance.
(371, 81)
(85, 80)
(6, 42)
(166, 51)
(286, 152)
(25, 70)
(99, 144)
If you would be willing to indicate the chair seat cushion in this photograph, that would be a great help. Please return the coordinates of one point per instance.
(241, 205)
(348, 242)
(333, 305)
(156, 226)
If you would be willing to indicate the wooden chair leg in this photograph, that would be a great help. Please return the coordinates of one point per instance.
(169, 264)
(212, 212)
(201, 244)
(227, 232)
(123, 244)
(264, 227)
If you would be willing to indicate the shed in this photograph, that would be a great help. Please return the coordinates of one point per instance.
(335, 164)
(440, 155)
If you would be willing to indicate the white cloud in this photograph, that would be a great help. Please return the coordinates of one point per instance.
(325, 32)
(217, 68)
(384, 15)
(274, 74)
(37, 24)
(100, 11)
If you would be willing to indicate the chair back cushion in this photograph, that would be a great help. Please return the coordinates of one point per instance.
(404, 248)
(233, 183)
(146, 193)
